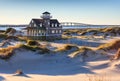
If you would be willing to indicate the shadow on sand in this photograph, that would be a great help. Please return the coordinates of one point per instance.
(65, 66)
(22, 75)
(2, 78)
(79, 42)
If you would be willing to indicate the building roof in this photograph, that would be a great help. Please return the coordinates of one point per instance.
(39, 21)
(46, 13)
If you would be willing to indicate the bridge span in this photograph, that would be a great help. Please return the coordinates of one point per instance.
(73, 24)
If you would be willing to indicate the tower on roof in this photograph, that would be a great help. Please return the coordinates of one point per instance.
(46, 15)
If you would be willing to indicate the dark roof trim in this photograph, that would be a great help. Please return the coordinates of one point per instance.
(38, 21)
(46, 13)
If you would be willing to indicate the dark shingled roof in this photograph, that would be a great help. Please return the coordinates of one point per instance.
(39, 21)
(46, 13)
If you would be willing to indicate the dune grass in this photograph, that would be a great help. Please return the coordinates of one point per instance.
(6, 53)
(3, 35)
(109, 46)
(66, 48)
(117, 55)
(82, 50)
(94, 31)
(41, 49)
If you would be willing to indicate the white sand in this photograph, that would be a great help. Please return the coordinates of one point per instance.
(56, 67)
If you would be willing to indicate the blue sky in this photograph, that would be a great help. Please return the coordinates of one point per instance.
(83, 11)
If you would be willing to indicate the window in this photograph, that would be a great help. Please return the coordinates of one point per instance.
(34, 25)
(53, 31)
(40, 24)
(56, 25)
(39, 31)
(52, 25)
(60, 31)
(56, 31)
(48, 23)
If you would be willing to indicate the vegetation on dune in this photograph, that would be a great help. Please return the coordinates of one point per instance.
(12, 37)
(3, 35)
(72, 31)
(40, 48)
(23, 39)
(82, 51)
(94, 31)
(6, 53)
(117, 55)
(66, 37)
(109, 46)
(113, 31)
(10, 30)
(67, 47)
(32, 42)
(28, 47)
(2, 31)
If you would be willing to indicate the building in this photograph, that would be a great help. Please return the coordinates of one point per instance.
(44, 28)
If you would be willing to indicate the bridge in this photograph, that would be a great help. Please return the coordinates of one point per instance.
(73, 24)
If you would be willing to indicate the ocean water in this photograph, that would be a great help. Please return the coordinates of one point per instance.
(17, 28)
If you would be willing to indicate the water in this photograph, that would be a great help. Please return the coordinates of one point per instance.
(80, 27)
(17, 28)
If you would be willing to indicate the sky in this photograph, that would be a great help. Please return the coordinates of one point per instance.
(100, 12)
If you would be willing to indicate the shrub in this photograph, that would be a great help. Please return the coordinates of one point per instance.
(8, 30)
(32, 42)
(28, 47)
(41, 49)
